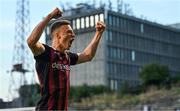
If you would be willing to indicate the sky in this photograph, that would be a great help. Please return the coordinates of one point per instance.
(161, 11)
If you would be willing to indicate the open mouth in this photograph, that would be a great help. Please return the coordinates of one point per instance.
(71, 41)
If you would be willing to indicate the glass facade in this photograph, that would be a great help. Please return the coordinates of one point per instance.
(133, 43)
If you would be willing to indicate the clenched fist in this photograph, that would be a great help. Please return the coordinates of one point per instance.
(100, 26)
(56, 13)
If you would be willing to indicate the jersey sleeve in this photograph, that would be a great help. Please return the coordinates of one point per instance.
(45, 56)
(73, 58)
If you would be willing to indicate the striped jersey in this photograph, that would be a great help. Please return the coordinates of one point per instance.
(53, 69)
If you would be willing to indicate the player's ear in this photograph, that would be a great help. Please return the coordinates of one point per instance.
(56, 35)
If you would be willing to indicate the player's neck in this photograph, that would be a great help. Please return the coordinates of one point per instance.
(58, 47)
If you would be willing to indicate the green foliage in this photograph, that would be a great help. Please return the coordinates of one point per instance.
(126, 89)
(175, 79)
(154, 74)
(79, 92)
(29, 94)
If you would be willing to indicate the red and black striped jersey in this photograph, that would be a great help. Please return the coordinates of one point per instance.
(53, 69)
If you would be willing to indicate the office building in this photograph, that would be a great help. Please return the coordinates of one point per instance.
(126, 46)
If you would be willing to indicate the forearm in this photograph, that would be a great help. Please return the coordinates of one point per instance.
(37, 31)
(90, 50)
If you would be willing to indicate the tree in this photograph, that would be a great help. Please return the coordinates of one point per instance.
(175, 80)
(154, 74)
(29, 94)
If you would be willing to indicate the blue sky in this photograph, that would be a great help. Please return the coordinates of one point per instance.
(162, 11)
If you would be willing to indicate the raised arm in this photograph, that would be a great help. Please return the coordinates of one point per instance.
(36, 47)
(90, 51)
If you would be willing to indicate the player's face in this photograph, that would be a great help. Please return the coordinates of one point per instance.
(67, 36)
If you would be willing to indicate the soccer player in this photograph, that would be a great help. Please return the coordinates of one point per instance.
(53, 62)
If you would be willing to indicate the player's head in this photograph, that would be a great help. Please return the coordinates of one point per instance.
(62, 33)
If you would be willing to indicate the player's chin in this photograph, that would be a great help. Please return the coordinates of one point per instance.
(68, 48)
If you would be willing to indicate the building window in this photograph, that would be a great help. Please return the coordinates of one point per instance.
(142, 28)
(112, 84)
(115, 69)
(133, 55)
(92, 21)
(110, 20)
(124, 24)
(101, 17)
(82, 23)
(122, 54)
(111, 52)
(113, 21)
(118, 53)
(87, 22)
(117, 21)
(78, 23)
(74, 24)
(120, 22)
(115, 85)
(110, 68)
(114, 52)
(96, 18)
(110, 35)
